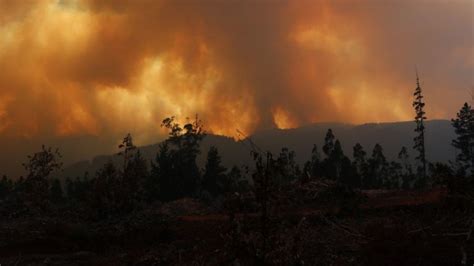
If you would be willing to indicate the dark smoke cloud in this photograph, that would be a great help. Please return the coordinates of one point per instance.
(108, 67)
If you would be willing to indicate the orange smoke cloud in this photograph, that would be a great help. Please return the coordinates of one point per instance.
(75, 67)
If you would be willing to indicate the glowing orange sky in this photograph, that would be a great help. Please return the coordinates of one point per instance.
(75, 67)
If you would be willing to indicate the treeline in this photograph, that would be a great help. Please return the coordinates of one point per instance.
(116, 190)
(174, 173)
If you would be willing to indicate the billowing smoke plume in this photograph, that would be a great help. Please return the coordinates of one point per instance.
(103, 67)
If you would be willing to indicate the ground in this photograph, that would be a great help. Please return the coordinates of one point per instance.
(387, 228)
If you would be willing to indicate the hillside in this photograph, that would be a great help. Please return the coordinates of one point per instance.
(392, 136)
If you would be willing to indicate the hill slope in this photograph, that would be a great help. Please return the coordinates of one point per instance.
(392, 136)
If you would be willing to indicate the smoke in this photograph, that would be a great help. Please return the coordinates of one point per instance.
(106, 67)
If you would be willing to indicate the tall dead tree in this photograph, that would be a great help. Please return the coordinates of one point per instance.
(420, 117)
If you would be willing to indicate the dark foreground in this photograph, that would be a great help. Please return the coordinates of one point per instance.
(384, 228)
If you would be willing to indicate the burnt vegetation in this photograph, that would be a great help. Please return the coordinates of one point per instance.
(333, 210)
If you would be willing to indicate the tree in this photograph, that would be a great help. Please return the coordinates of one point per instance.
(56, 191)
(343, 168)
(336, 157)
(392, 179)
(288, 169)
(442, 174)
(464, 143)
(43, 163)
(106, 191)
(405, 160)
(133, 179)
(313, 168)
(265, 187)
(337, 165)
(360, 162)
(160, 184)
(377, 167)
(329, 165)
(328, 143)
(214, 173)
(236, 182)
(6, 186)
(126, 150)
(184, 145)
(79, 190)
(407, 171)
(133, 175)
(39, 167)
(419, 140)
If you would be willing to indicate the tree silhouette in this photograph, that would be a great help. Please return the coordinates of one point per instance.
(126, 150)
(464, 143)
(407, 171)
(133, 175)
(419, 140)
(288, 169)
(43, 163)
(312, 168)
(106, 191)
(6, 186)
(360, 162)
(337, 165)
(442, 174)
(160, 184)
(377, 167)
(184, 145)
(336, 158)
(264, 186)
(79, 189)
(214, 173)
(133, 179)
(393, 176)
(328, 143)
(39, 167)
(56, 191)
(236, 182)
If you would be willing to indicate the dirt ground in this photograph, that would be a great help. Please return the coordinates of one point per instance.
(389, 228)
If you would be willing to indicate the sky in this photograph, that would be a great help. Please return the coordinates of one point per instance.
(72, 68)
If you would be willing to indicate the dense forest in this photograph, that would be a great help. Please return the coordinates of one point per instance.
(274, 212)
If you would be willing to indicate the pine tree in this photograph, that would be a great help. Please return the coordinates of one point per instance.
(377, 155)
(359, 157)
(335, 162)
(377, 167)
(328, 143)
(214, 173)
(420, 117)
(360, 163)
(337, 157)
(161, 183)
(464, 143)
